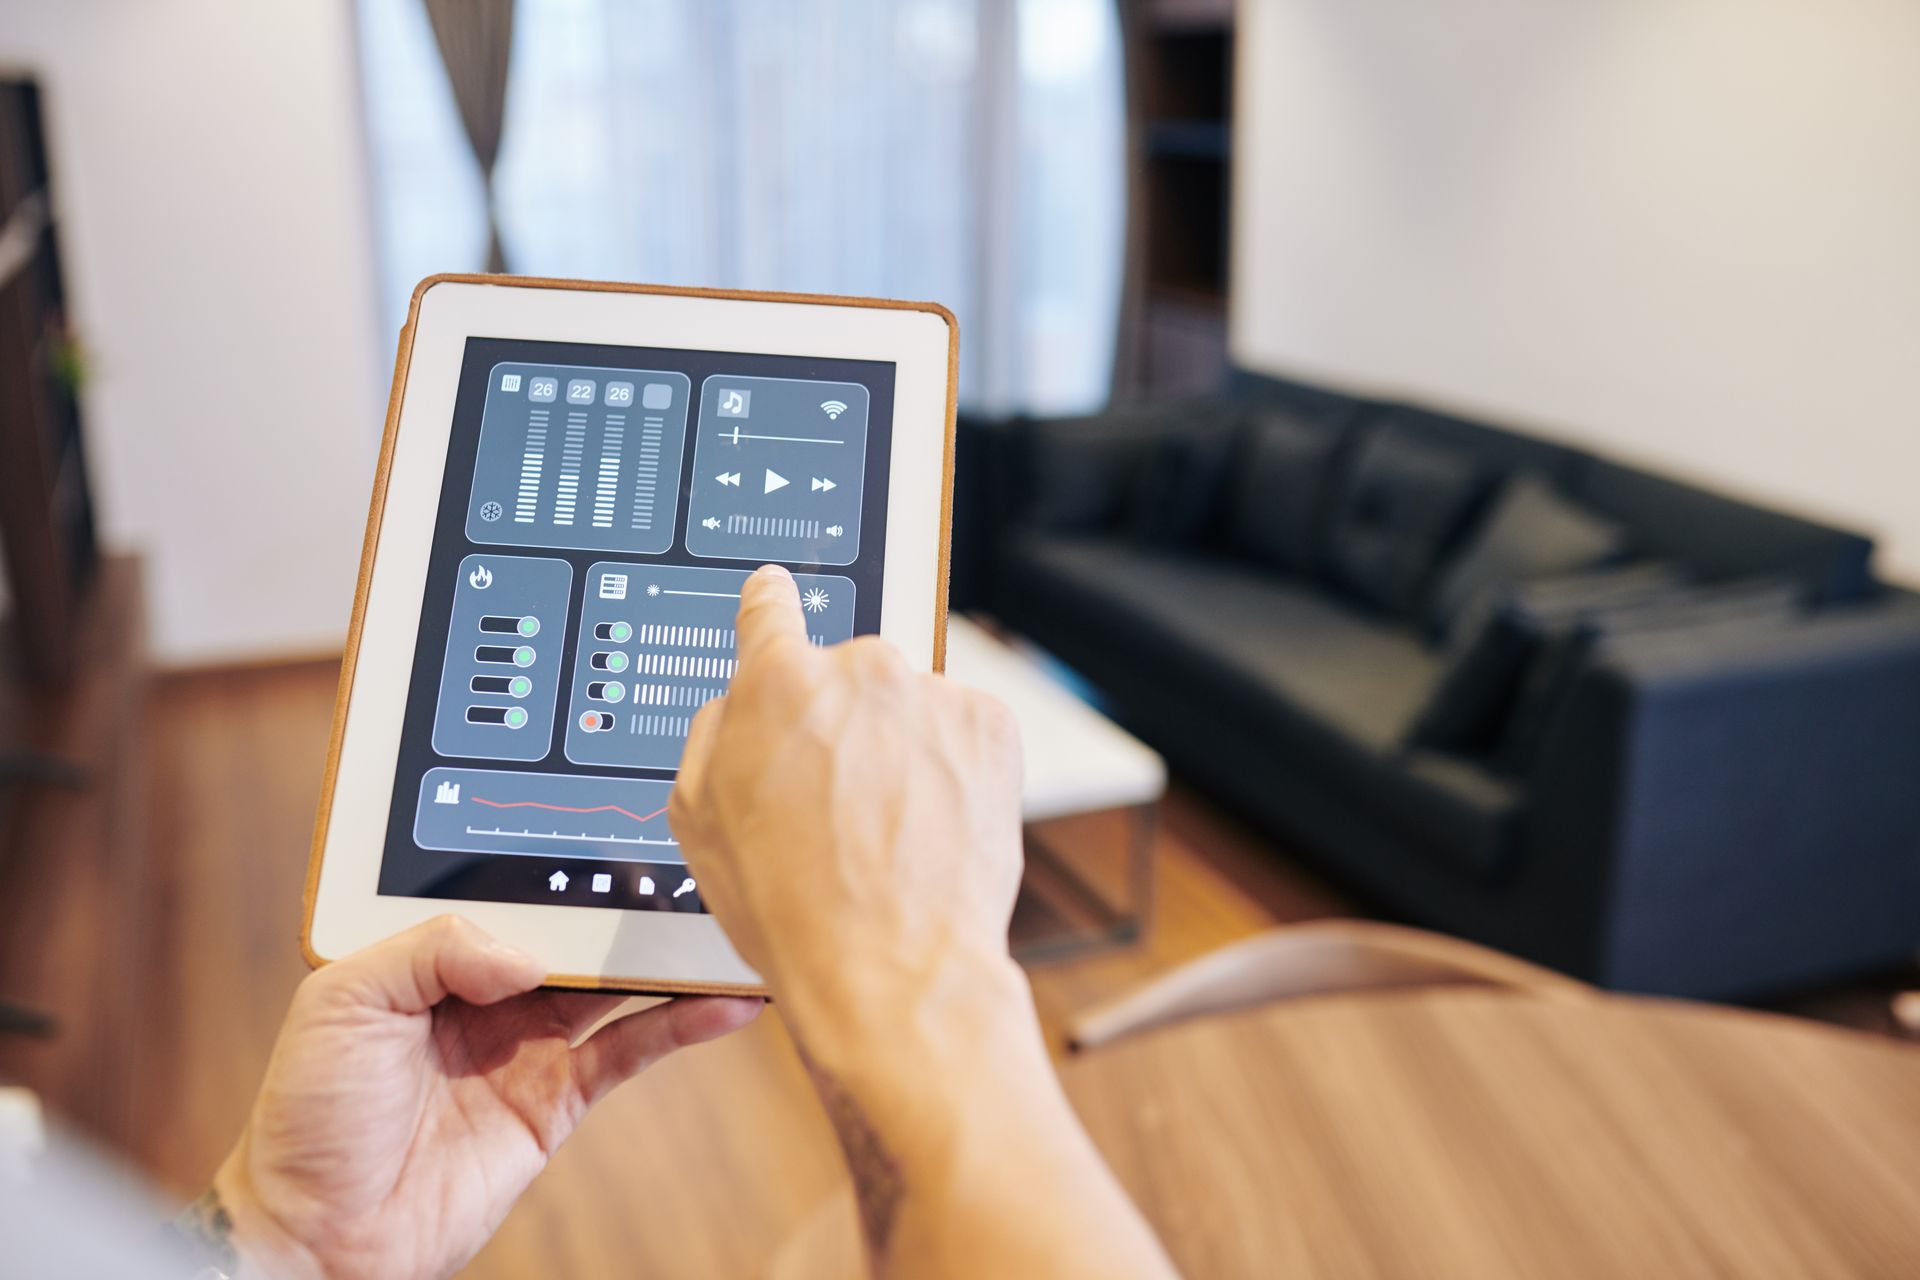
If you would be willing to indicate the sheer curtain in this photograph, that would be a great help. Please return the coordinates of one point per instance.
(968, 151)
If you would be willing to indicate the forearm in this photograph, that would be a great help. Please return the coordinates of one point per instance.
(966, 1158)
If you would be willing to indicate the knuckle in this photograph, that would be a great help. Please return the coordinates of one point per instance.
(996, 721)
(990, 719)
(871, 658)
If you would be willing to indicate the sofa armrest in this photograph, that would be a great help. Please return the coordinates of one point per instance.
(1751, 803)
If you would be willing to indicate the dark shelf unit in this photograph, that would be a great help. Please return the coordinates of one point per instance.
(1180, 108)
(46, 505)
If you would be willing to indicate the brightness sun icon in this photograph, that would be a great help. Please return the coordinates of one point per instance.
(815, 600)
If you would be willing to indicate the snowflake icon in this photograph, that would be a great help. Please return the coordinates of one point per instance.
(815, 600)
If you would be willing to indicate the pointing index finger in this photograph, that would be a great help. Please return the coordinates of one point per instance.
(771, 624)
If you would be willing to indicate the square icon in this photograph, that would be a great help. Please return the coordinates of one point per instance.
(542, 390)
(580, 391)
(619, 395)
(613, 586)
(657, 395)
(734, 402)
(602, 883)
(509, 382)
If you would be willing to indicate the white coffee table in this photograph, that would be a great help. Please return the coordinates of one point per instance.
(1077, 762)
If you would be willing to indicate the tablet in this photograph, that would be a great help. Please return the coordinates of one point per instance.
(576, 478)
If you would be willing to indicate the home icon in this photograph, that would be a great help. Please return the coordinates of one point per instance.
(557, 881)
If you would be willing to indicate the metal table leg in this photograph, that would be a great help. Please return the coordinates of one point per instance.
(1117, 925)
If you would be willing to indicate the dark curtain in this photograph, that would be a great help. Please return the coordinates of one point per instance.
(475, 38)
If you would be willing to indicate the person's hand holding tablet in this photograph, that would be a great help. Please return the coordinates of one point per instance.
(416, 1089)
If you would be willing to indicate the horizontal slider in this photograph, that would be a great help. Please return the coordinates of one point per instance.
(494, 624)
(511, 717)
(522, 656)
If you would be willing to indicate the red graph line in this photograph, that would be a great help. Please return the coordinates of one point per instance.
(567, 808)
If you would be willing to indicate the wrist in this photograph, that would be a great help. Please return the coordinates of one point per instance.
(895, 1037)
(259, 1245)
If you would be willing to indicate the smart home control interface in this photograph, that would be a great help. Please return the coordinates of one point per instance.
(600, 510)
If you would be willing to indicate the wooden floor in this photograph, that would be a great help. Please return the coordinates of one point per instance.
(702, 1168)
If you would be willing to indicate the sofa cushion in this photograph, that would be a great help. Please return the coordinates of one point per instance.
(1080, 475)
(1246, 644)
(1530, 531)
(1708, 614)
(1498, 449)
(1285, 463)
(1400, 504)
(1455, 810)
(1178, 493)
(1471, 701)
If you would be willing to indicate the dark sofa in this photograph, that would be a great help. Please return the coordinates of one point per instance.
(1723, 807)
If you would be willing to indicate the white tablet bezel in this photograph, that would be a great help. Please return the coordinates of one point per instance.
(593, 946)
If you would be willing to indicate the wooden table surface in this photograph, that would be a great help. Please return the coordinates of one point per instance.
(1488, 1135)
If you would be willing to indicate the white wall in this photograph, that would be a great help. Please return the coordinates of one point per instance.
(216, 234)
(1684, 231)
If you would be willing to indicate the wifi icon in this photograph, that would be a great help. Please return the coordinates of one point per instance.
(833, 408)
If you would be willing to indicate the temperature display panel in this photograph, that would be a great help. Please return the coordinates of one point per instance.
(579, 457)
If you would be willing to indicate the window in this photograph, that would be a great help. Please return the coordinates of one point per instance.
(967, 151)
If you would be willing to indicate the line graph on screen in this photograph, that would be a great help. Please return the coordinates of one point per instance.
(569, 808)
(497, 811)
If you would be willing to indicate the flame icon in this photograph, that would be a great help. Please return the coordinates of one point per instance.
(481, 577)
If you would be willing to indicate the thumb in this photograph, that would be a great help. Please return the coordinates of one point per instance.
(446, 956)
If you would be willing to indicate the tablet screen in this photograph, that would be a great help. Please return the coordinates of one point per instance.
(600, 509)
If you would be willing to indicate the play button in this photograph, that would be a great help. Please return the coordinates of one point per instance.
(774, 481)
